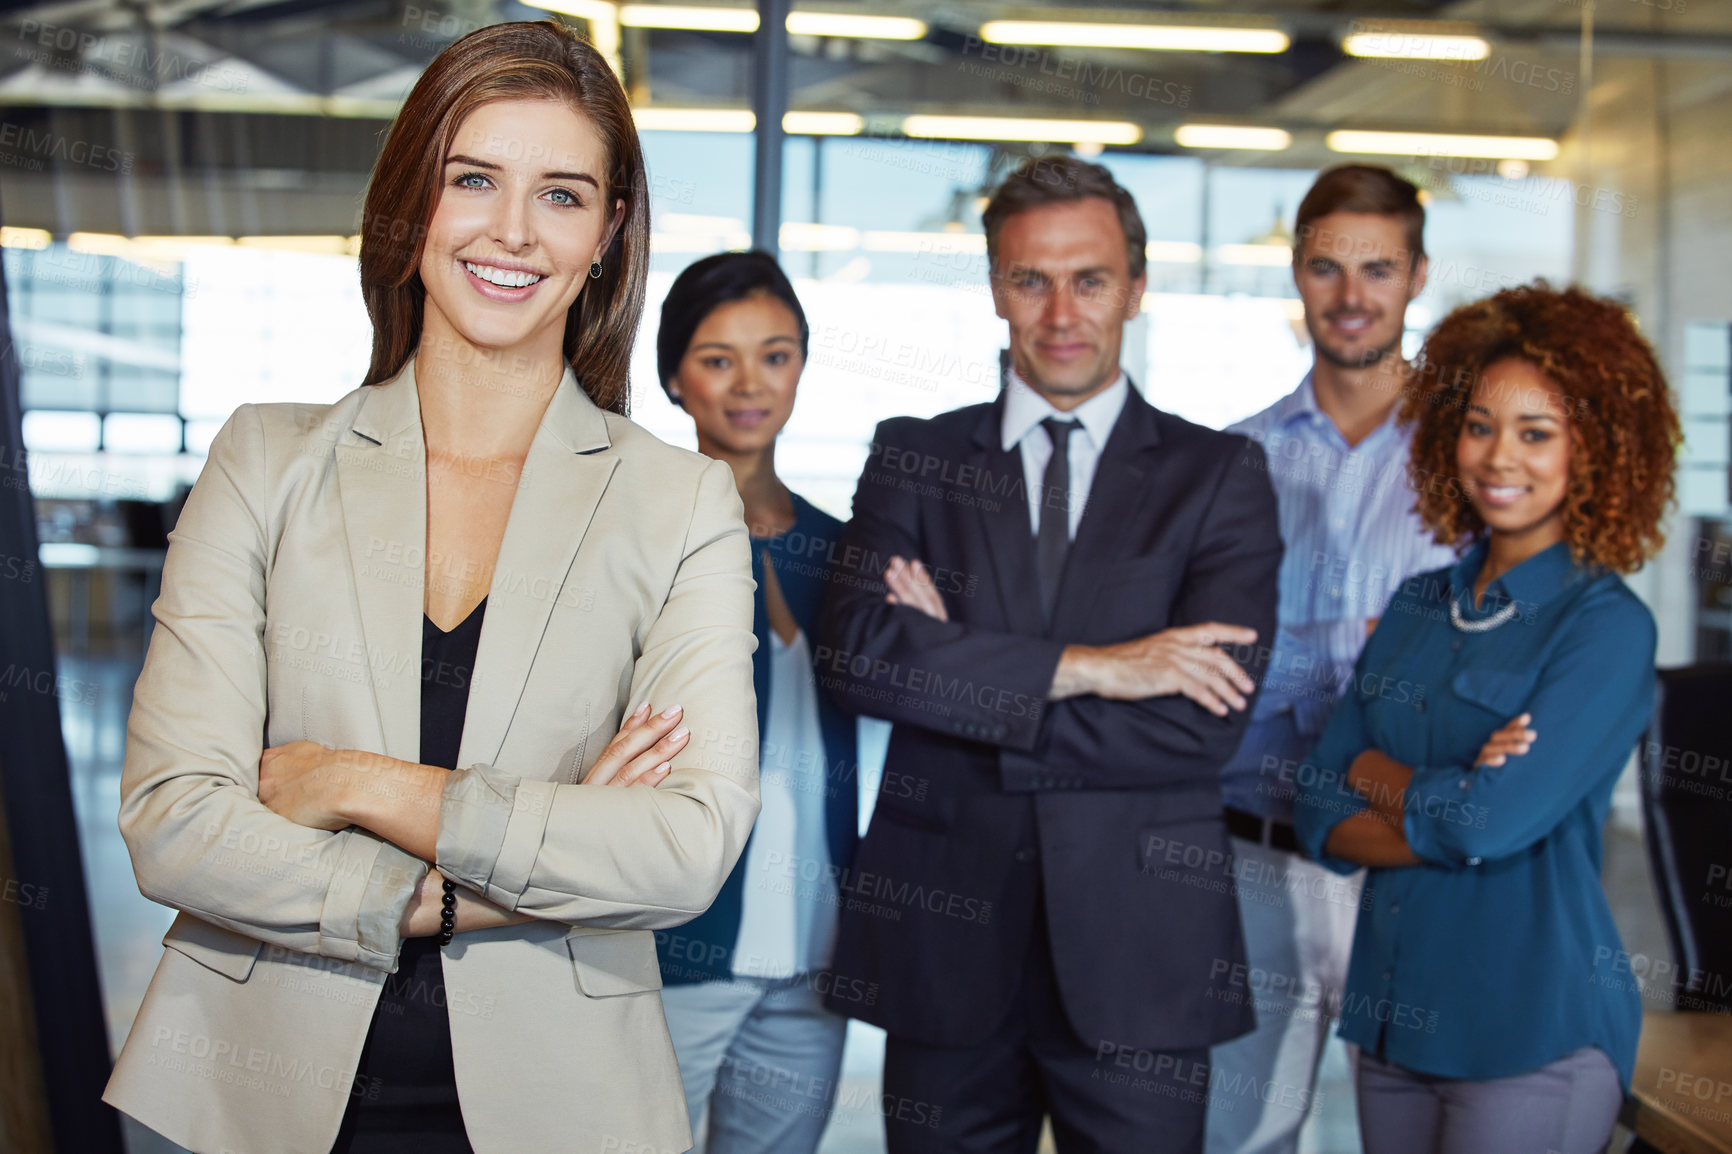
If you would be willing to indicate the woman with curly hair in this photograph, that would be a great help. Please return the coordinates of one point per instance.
(1471, 764)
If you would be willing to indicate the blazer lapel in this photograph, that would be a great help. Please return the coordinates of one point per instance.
(381, 480)
(1004, 519)
(562, 483)
(1119, 488)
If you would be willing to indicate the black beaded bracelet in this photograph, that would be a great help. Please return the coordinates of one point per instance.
(448, 914)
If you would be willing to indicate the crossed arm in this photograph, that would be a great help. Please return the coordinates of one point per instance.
(347, 886)
(332, 789)
(1375, 836)
(1173, 696)
(1182, 660)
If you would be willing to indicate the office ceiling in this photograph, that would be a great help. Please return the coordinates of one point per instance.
(291, 96)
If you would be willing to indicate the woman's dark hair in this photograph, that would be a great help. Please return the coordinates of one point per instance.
(706, 286)
(524, 60)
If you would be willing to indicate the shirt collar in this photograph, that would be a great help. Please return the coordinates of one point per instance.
(1302, 403)
(1025, 409)
(1530, 584)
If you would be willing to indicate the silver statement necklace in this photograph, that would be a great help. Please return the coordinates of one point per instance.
(1484, 624)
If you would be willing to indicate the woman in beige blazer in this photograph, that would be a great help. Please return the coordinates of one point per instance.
(483, 482)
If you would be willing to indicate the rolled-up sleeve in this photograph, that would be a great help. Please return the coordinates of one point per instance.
(200, 839)
(640, 858)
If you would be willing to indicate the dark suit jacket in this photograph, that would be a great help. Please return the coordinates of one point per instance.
(1111, 808)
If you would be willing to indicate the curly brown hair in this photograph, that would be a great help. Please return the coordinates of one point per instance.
(1624, 427)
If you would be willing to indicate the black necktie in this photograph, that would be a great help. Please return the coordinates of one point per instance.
(1053, 539)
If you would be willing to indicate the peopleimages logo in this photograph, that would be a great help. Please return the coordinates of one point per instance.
(19, 141)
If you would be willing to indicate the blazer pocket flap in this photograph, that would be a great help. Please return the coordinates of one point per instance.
(1502, 691)
(1136, 570)
(230, 954)
(610, 962)
(935, 818)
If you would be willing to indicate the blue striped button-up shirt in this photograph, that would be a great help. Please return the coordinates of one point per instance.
(1351, 534)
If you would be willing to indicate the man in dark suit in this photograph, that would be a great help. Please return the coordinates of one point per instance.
(1056, 598)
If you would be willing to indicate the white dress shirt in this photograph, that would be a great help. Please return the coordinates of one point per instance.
(790, 900)
(1025, 409)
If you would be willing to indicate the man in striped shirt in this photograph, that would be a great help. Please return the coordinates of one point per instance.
(1338, 463)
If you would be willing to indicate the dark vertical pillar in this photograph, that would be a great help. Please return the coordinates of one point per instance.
(37, 791)
(817, 195)
(769, 102)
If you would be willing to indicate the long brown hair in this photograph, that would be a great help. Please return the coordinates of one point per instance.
(527, 60)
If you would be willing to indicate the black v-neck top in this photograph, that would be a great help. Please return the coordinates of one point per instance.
(404, 1100)
(447, 668)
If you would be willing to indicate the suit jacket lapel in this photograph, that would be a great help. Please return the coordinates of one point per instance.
(1119, 488)
(562, 483)
(381, 481)
(1004, 519)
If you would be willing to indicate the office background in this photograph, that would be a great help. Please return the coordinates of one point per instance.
(180, 191)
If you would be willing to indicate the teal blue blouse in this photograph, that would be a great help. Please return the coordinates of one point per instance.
(1497, 953)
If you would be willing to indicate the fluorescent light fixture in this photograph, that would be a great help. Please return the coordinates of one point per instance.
(1017, 128)
(706, 19)
(1262, 255)
(856, 27)
(1395, 45)
(694, 119)
(1174, 251)
(591, 10)
(11, 237)
(935, 242)
(603, 17)
(52, 431)
(1442, 144)
(141, 433)
(170, 243)
(152, 251)
(699, 243)
(696, 19)
(800, 236)
(1157, 37)
(1232, 136)
(199, 435)
(690, 222)
(337, 245)
(823, 123)
(690, 232)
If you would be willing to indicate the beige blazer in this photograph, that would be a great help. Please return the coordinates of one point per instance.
(291, 608)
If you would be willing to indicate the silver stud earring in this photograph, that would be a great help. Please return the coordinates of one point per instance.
(595, 270)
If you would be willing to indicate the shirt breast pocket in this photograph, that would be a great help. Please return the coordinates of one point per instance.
(1501, 693)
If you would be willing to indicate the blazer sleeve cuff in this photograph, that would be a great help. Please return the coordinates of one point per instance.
(490, 831)
(363, 911)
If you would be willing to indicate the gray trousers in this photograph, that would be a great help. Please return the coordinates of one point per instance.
(763, 1055)
(1298, 919)
(1567, 1107)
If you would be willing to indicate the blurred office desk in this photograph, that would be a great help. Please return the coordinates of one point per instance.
(80, 561)
(1682, 1099)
